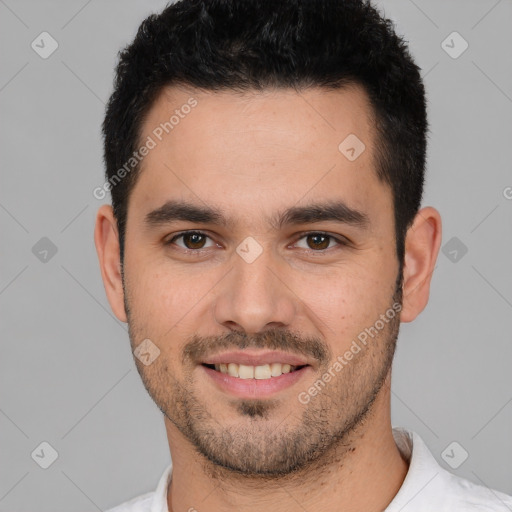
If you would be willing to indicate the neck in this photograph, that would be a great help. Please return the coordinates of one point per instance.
(362, 473)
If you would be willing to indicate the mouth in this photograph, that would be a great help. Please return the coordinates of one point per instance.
(246, 374)
(259, 372)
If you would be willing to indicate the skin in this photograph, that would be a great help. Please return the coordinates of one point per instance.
(252, 155)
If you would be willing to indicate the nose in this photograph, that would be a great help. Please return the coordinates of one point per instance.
(255, 296)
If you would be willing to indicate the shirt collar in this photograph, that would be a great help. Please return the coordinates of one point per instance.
(159, 503)
(424, 476)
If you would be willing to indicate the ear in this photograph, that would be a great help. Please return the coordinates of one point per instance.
(422, 244)
(106, 238)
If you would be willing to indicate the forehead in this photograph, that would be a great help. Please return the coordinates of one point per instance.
(315, 118)
(259, 150)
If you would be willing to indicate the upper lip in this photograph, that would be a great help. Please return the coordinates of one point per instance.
(256, 358)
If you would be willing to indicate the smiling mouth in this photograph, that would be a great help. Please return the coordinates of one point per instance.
(260, 372)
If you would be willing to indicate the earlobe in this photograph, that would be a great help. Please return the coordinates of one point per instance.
(106, 239)
(422, 245)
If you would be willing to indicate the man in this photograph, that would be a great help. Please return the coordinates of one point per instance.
(265, 240)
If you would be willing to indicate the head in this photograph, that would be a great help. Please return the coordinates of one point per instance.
(290, 137)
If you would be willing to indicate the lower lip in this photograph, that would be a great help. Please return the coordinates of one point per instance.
(255, 388)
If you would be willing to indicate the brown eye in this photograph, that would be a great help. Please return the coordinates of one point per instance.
(192, 240)
(319, 241)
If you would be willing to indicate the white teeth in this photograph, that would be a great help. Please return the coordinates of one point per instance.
(233, 369)
(261, 372)
(275, 369)
(245, 372)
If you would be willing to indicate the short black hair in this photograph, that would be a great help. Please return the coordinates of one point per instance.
(253, 45)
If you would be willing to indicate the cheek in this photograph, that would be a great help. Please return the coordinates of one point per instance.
(349, 301)
(165, 301)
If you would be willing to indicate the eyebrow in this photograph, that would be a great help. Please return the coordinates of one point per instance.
(337, 211)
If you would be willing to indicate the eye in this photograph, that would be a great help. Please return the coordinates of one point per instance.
(318, 241)
(193, 240)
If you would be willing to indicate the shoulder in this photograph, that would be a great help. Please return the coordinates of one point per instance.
(462, 494)
(150, 501)
(141, 503)
(429, 487)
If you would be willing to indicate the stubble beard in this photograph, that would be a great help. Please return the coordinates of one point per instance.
(257, 446)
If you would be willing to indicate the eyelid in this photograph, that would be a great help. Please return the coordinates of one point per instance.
(342, 240)
(189, 232)
(339, 239)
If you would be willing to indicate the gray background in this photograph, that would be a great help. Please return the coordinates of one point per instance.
(67, 376)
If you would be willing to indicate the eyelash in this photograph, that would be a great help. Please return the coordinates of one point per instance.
(340, 241)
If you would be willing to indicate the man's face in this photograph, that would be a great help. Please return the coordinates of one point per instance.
(258, 287)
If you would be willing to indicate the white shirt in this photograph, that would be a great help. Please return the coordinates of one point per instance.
(427, 486)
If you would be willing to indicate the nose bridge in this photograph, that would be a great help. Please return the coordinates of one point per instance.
(253, 269)
(254, 296)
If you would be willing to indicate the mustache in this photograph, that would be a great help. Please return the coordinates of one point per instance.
(200, 347)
